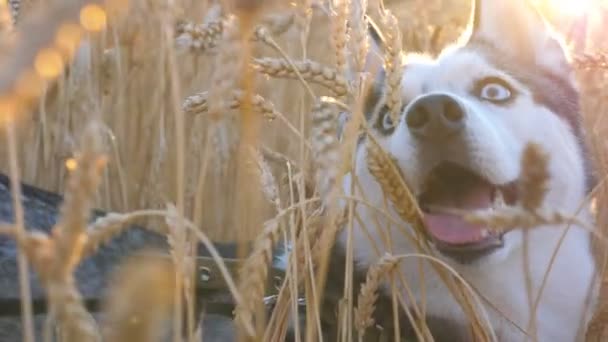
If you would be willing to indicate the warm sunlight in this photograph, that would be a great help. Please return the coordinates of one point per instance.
(574, 7)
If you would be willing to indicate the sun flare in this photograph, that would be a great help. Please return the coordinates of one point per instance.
(575, 7)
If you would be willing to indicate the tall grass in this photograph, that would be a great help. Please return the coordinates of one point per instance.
(220, 119)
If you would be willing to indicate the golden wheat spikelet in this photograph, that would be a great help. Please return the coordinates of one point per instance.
(254, 275)
(199, 104)
(598, 60)
(325, 146)
(200, 38)
(339, 34)
(311, 71)
(268, 182)
(387, 174)
(368, 295)
(358, 42)
(393, 65)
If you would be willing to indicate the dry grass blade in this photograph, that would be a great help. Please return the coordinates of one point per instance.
(368, 295)
(228, 64)
(111, 225)
(311, 71)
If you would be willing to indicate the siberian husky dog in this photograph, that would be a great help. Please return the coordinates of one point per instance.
(468, 115)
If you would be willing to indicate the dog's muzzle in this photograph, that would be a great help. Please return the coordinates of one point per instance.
(438, 121)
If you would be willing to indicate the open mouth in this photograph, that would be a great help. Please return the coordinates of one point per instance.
(450, 189)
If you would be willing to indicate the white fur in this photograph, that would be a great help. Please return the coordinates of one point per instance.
(495, 137)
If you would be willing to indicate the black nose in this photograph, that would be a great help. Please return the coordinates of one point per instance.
(435, 116)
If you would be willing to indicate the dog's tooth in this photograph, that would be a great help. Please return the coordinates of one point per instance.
(499, 199)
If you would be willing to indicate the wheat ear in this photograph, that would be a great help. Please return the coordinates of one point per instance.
(311, 71)
(140, 297)
(359, 34)
(393, 66)
(64, 249)
(597, 60)
(366, 302)
(383, 168)
(325, 147)
(339, 34)
(254, 275)
(199, 104)
(199, 37)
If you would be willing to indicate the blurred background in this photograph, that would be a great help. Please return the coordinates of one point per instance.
(122, 78)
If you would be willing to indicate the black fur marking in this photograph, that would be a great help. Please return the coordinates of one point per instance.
(384, 114)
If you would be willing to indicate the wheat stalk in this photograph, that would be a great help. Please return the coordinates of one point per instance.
(228, 63)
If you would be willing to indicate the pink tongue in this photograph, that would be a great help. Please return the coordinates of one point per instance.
(453, 229)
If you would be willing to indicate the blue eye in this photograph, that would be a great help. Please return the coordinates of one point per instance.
(494, 89)
(387, 122)
(495, 92)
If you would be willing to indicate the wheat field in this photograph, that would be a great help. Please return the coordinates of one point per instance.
(217, 121)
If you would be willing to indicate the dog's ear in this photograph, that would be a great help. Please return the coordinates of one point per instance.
(516, 28)
(374, 65)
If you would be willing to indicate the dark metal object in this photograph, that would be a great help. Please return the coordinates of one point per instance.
(41, 212)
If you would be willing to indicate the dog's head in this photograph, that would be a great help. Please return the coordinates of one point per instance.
(469, 113)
